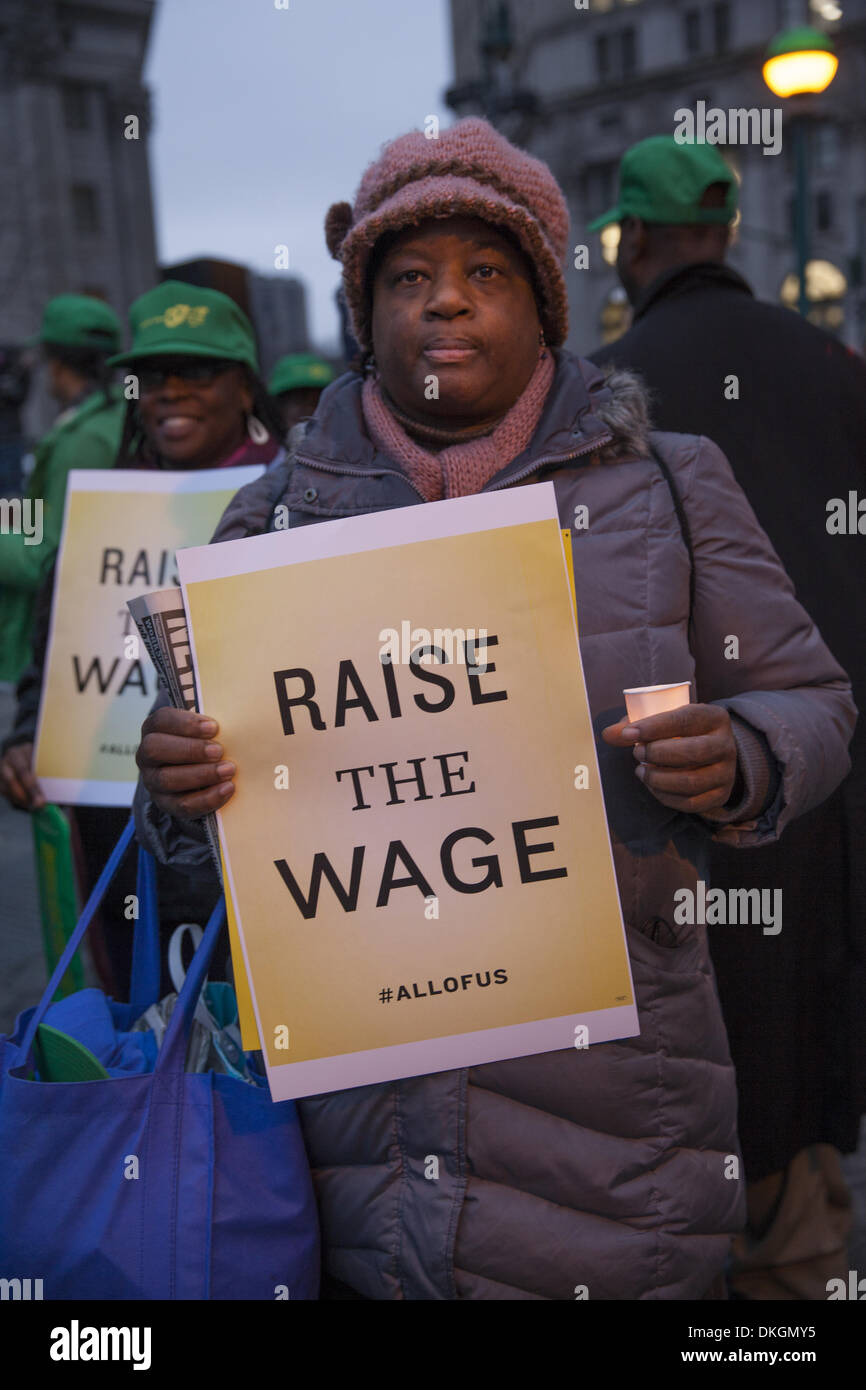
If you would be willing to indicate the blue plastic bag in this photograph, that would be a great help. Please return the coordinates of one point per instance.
(159, 1185)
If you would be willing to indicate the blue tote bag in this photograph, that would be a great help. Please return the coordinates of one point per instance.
(159, 1184)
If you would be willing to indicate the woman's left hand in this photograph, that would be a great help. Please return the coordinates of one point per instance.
(687, 757)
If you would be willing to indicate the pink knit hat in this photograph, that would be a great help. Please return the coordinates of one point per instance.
(470, 170)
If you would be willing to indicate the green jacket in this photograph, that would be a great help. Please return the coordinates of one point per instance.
(87, 438)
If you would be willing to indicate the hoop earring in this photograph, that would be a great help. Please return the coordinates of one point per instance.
(257, 432)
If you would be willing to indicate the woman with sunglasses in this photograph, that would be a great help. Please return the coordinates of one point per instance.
(200, 404)
(200, 401)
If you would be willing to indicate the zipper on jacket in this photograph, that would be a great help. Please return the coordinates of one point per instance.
(551, 458)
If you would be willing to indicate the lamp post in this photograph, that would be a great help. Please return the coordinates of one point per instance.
(800, 61)
(494, 91)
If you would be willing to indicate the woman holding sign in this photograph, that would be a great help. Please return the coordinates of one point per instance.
(194, 401)
(609, 1171)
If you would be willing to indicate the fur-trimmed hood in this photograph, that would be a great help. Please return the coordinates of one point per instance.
(626, 413)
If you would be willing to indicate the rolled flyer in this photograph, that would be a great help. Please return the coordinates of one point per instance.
(162, 626)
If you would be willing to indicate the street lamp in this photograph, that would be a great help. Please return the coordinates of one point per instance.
(494, 91)
(800, 61)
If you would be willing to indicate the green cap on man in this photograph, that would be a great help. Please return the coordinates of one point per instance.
(663, 181)
(79, 321)
(300, 370)
(180, 320)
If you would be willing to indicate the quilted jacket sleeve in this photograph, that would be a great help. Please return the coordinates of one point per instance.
(757, 651)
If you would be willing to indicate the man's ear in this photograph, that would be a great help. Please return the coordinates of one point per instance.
(634, 231)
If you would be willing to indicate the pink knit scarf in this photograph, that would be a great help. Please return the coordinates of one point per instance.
(459, 469)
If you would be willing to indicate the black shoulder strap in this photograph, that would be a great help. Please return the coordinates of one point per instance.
(684, 524)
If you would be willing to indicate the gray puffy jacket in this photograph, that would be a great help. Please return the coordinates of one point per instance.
(613, 1169)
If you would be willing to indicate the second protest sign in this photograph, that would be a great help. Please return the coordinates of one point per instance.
(120, 532)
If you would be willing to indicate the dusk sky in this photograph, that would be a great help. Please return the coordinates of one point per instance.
(263, 117)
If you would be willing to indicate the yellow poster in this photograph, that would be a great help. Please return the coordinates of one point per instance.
(120, 533)
(417, 847)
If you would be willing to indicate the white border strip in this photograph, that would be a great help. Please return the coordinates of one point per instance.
(72, 791)
(456, 516)
(295, 1079)
(168, 480)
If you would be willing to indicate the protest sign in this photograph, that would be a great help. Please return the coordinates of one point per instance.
(388, 928)
(120, 533)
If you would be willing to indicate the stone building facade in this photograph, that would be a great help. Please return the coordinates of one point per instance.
(577, 84)
(75, 199)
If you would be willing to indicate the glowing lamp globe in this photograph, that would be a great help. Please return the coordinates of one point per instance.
(800, 60)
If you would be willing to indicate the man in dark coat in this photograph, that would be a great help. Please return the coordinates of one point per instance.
(787, 404)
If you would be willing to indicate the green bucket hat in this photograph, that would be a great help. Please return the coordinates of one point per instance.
(661, 180)
(180, 320)
(298, 370)
(79, 320)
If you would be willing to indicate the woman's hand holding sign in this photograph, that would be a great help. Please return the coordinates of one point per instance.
(181, 766)
(17, 780)
(687, 757)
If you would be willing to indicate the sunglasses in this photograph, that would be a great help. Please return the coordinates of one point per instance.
(197, 371)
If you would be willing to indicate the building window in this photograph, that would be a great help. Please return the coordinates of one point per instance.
(609, 237)
(826, 146)
(599, 187)
(721, 28)
(628, 52)
(76, 106)
(824, 211)
(602, 56)
(614, 318)
(792, 218)
(826, 287)
(616, 55)
(828, 10)
(85, 209)
(860, 258)
(692, 31)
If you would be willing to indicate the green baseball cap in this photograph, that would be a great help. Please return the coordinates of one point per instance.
(79, 320)
(298, 370)
(661, 180)
(181, 320)
(60, 1057)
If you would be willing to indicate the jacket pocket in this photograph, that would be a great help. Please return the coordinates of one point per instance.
(315, 494)
(665, 948)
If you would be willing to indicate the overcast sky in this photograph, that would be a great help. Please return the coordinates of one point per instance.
(263, 117)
